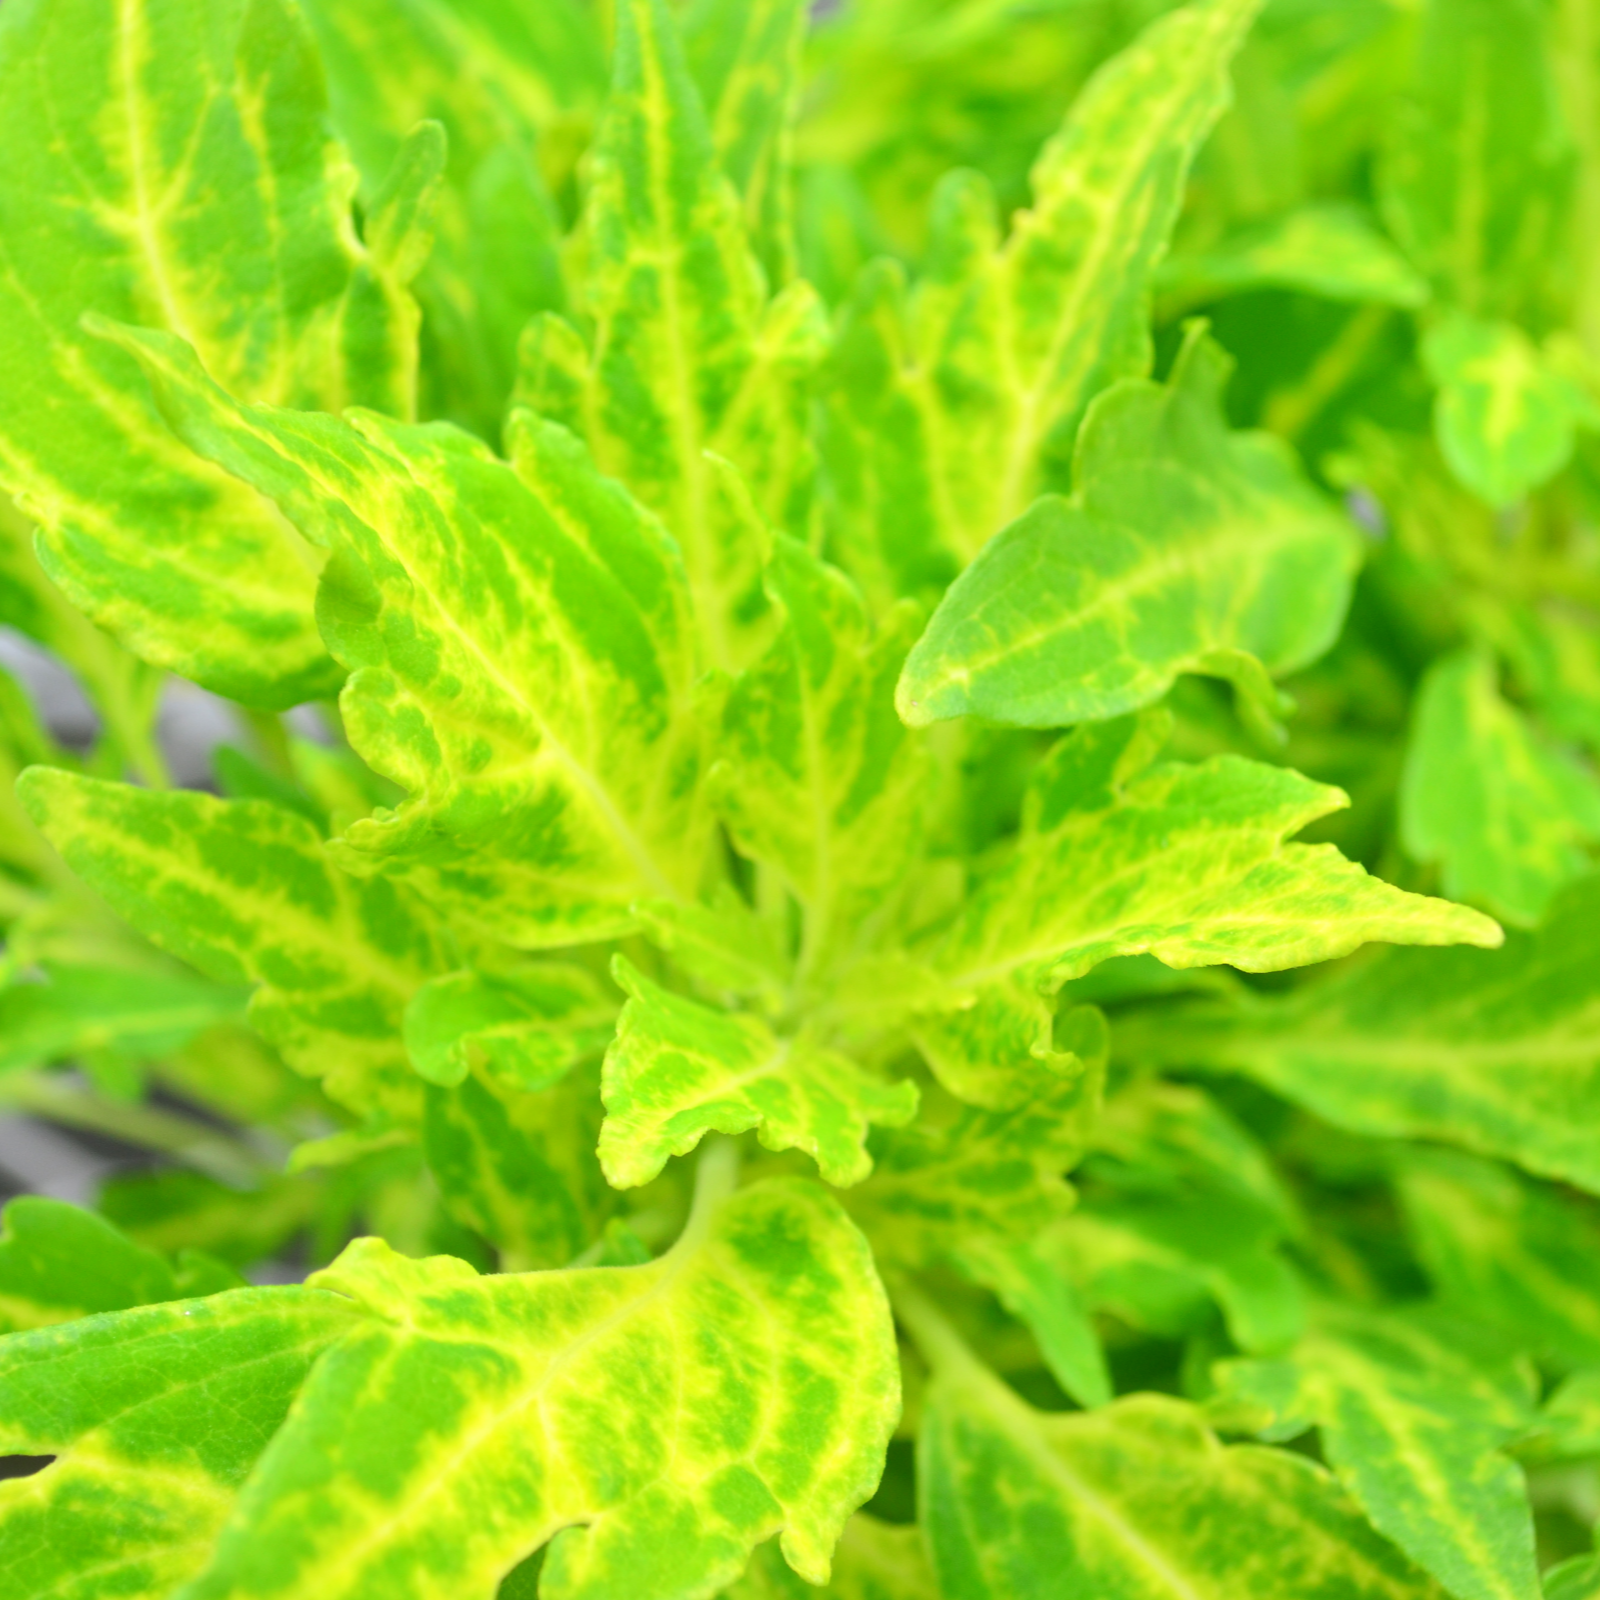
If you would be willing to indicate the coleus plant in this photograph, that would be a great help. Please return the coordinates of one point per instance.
(809, 729)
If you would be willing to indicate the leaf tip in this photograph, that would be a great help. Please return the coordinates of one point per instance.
(913, 703)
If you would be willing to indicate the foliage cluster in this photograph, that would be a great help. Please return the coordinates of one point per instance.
(823, 607)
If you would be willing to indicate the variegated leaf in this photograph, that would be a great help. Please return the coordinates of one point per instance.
(1473, 169)
(513, 87)
(521, 654)
(947, 420)
(469, 1420)
(970, 1176)
(1506, 416)
(1185, 548)
(817, 778)
(1504, 1250)
(746, 61)
(1505, 814)
(1498, 1052)
(168, 165)
(519, 1168)
(1413, 1424)
(678, 1071)
(875, 1561)
(525, 1026)
(154, 1416)
(1117, 856)
(246, 892)
(1136, 1498)
(689, 354)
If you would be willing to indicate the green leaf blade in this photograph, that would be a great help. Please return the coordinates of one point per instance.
(154, 1416)
(1497, 1052)
(553, 1393)
(58, 1263)
(521, 656)
(1505, 417)
(678, 1070)
(1506, 815)
(1143, 877)
(1136, 1498)
(138, 1015)
(202, 128)
(244, 891)
(1183, 548)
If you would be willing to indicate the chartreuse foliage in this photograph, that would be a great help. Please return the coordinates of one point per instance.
(860, 585)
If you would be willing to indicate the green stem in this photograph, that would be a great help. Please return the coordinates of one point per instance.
(715, 1178)
(272, 742)
(942, 1347)
(1289, 412)
(228, 1160)
(134, 740)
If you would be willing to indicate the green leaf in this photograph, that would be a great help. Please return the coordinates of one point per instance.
(505, 82)
(1556, 659)
(83, 1009)
(1184, 549)
(1413, 1426)
(950, 417)
(985, 1052)
(58, 1262)
(520, 1168)
(154, 1417)
(875, 1561)
(689, 355)
(525, 1027)
(656, 1422)
(1158, 1264)
(1329, 249)
(975, 1175)
(817, 776)
(168, 165)
(1180, 1210)
(186, 1213)
(122, 688)
(1028, 1281)
(678, 1071)
(1173, 1139)
(1568, 1425)
(521, 655)
(1474, 162)
(242, 777)
(746, 61)
(725, 944)
(1498, 1053)
(1505, 416)
(245, 892)
(1506, 815)
(1136, 1498)
(1508, 1252)
(1577, 1579)
(1116, 857)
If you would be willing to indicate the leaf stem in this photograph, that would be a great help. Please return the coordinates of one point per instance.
(715, 1178)
(942, 1347)
(1289, 412)
(229, 1161)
